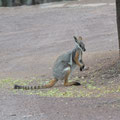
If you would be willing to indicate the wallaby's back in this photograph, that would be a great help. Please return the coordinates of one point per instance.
(63, 62)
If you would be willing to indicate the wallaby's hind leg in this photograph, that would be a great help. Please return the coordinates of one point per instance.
(50, 84)
(66, 83)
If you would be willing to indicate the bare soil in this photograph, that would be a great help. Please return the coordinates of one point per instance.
(32, 38)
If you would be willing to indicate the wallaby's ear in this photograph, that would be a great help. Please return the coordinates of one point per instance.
(75, 38)
(80, 38)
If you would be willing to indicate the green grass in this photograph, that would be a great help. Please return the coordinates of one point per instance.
(87, 89)
(10, 82)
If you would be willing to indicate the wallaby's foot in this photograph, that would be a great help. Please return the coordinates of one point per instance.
(72, 83)
(81, 68)
(66, 83)
(77, 84)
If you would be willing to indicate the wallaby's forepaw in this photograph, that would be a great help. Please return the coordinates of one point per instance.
(77, 84)
(81, 68)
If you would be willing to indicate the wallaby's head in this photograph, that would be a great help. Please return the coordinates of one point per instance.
(79, 43)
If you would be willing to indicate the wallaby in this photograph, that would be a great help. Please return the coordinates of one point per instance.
(64, 65)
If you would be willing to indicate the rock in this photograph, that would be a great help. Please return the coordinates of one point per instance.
(13, 115)
(82, 77)
(86, 68)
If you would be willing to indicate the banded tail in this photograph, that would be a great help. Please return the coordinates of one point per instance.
(50, 84)
(28, 87)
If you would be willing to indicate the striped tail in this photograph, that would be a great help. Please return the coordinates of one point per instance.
(50, 84)
(28, 87)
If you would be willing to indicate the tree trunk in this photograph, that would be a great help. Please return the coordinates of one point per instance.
(28, 2)
(118, 20)
(4, 2)
(0, 3)
(17, 2)
(9, 3)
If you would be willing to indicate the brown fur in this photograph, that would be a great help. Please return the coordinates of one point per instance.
(76, 59)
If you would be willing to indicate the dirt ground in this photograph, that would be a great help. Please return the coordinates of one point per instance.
(32, 37)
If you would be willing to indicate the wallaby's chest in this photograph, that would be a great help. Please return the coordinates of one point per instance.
(74, 53)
